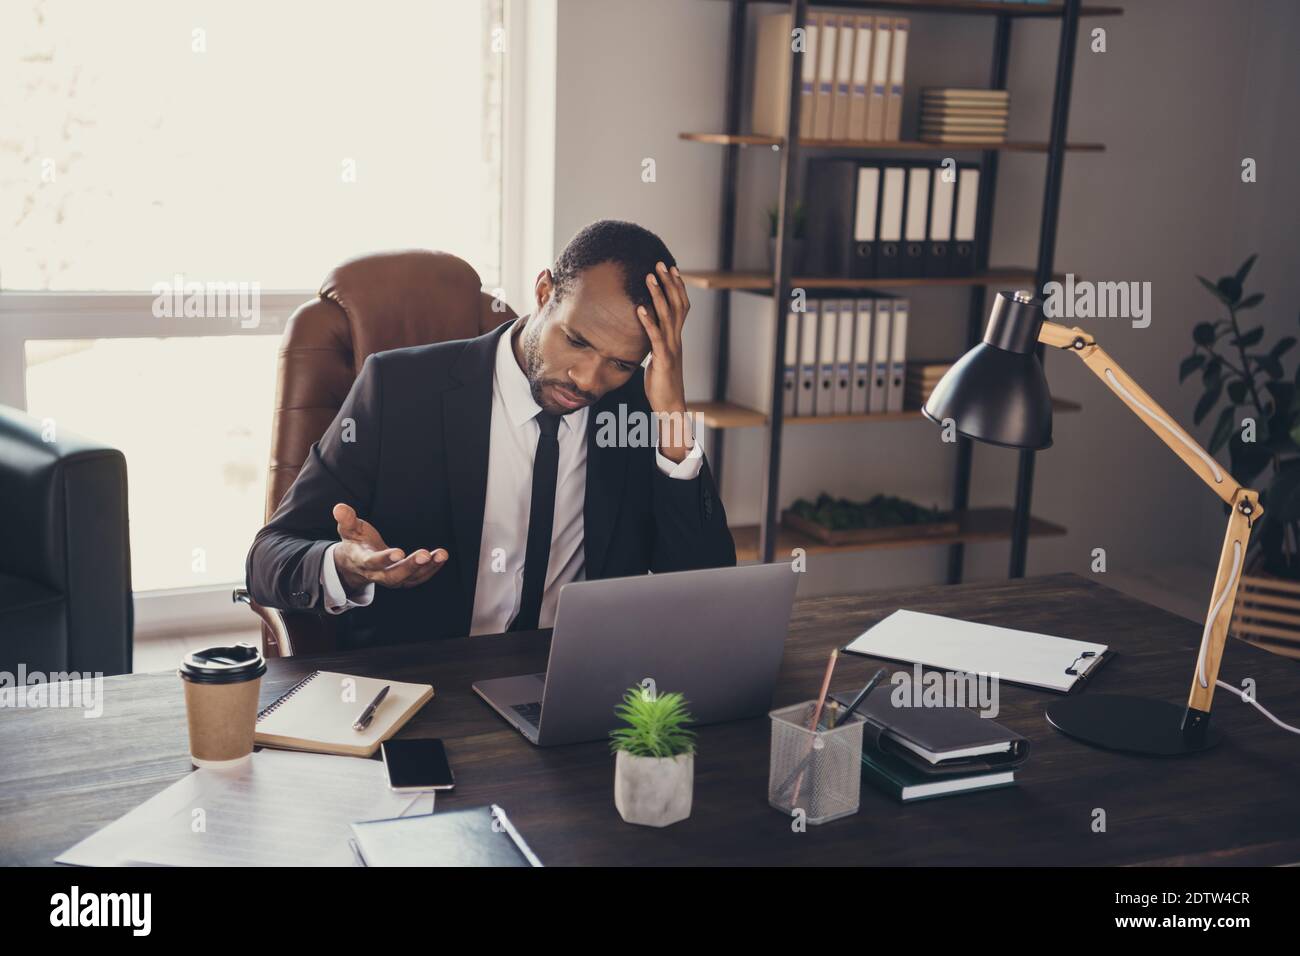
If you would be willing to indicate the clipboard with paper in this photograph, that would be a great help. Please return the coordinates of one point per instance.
(1040, 661)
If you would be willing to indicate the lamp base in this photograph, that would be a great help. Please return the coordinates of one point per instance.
(1132, 724)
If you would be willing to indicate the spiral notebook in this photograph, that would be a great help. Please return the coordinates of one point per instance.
(317, 714)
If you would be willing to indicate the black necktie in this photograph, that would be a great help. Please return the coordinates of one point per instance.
(541, 517)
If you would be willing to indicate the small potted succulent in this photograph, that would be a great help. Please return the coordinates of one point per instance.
(798, 238)
(654, 766)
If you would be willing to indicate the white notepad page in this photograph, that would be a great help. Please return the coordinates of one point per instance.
(279, 808)
(1022, 657)
(322, 710)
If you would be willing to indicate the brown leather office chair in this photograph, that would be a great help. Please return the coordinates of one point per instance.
(384, 301)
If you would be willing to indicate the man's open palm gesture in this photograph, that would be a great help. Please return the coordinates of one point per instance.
(362, 557)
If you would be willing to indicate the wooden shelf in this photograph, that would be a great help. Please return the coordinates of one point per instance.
(1014, 9)
(914, 146)
(728, 415)
(977, 524)
(762, 281)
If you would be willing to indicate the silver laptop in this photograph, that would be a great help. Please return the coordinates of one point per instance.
(715, 635)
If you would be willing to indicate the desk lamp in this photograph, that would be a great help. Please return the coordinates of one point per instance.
(997, 393)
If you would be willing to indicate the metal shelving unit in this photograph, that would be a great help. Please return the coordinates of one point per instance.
(1016, 523)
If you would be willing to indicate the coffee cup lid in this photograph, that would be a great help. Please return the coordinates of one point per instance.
(223, 665)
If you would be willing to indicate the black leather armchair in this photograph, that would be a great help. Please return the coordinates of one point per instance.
(65, 558)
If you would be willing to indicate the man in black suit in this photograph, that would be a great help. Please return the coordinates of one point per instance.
(463, 483)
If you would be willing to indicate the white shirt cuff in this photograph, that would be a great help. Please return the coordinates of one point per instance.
(336, 596)
(687, 468)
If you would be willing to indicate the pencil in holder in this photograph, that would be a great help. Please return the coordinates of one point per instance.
(816, 771)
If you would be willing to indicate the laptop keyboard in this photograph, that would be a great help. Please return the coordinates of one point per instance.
(531, 713)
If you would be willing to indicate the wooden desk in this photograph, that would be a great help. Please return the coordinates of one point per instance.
(62, 776)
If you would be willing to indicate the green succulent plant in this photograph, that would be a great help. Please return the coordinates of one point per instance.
(656, 725)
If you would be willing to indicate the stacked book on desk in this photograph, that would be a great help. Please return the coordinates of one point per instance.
(922, 376)
(921, 752)
(950, 115)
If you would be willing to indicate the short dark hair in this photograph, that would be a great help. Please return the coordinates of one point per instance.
(634, 248)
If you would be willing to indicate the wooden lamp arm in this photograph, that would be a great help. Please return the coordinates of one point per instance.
(1143, 406)
(1244, 503)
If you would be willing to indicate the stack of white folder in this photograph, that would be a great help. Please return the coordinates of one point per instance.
(852, 76)
(845, 357)
(891, 220)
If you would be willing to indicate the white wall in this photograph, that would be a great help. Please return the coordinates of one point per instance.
(1184, 91)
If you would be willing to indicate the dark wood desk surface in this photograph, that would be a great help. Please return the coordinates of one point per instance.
(62, 776)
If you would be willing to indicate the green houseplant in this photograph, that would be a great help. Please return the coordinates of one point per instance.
(1258, 418)
(654, 768)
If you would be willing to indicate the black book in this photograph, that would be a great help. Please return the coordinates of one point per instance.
(937, 741)
(476, 836)
(841, 203)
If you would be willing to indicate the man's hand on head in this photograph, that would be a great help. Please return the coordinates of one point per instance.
(363, 558)
(665, 387)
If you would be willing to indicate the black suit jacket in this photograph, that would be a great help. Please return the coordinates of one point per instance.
(416, 468)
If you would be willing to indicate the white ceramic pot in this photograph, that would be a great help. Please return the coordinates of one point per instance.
(653, 791)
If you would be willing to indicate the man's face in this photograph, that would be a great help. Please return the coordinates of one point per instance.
(584, 345)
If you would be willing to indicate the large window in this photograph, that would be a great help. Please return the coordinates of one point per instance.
(243, 140)
(159, 143)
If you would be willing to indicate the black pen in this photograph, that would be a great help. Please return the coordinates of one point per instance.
(862, 695)
(368, 714)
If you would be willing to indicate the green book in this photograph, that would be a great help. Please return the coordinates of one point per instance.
(906, 784)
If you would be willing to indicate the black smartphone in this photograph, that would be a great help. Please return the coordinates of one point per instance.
(417, 765)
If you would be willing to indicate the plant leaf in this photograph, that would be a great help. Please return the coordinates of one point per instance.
(1247, 339)
(656, 727)
(1190, 365)
(1214, 290)
(1222, 429)
(1229, 288)
(1283, 496)
(1269, 364)
(1245, 268)
(1247, 460)
(1207, 402)
(1213, 373)
(1282, 394)
(1263, 433)
(1250, 301)
(1237, 391)
(1203, 333)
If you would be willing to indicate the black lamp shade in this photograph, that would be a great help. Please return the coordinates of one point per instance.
(997, 392)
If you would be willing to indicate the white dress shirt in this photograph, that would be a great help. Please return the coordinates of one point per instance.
(513, 443)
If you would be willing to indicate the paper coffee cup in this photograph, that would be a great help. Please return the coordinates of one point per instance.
(221, 692)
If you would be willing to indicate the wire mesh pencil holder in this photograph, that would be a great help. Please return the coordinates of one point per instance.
(818, 772)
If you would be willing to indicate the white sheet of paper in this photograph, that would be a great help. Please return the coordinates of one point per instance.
(282, 808)
(1022, 657)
